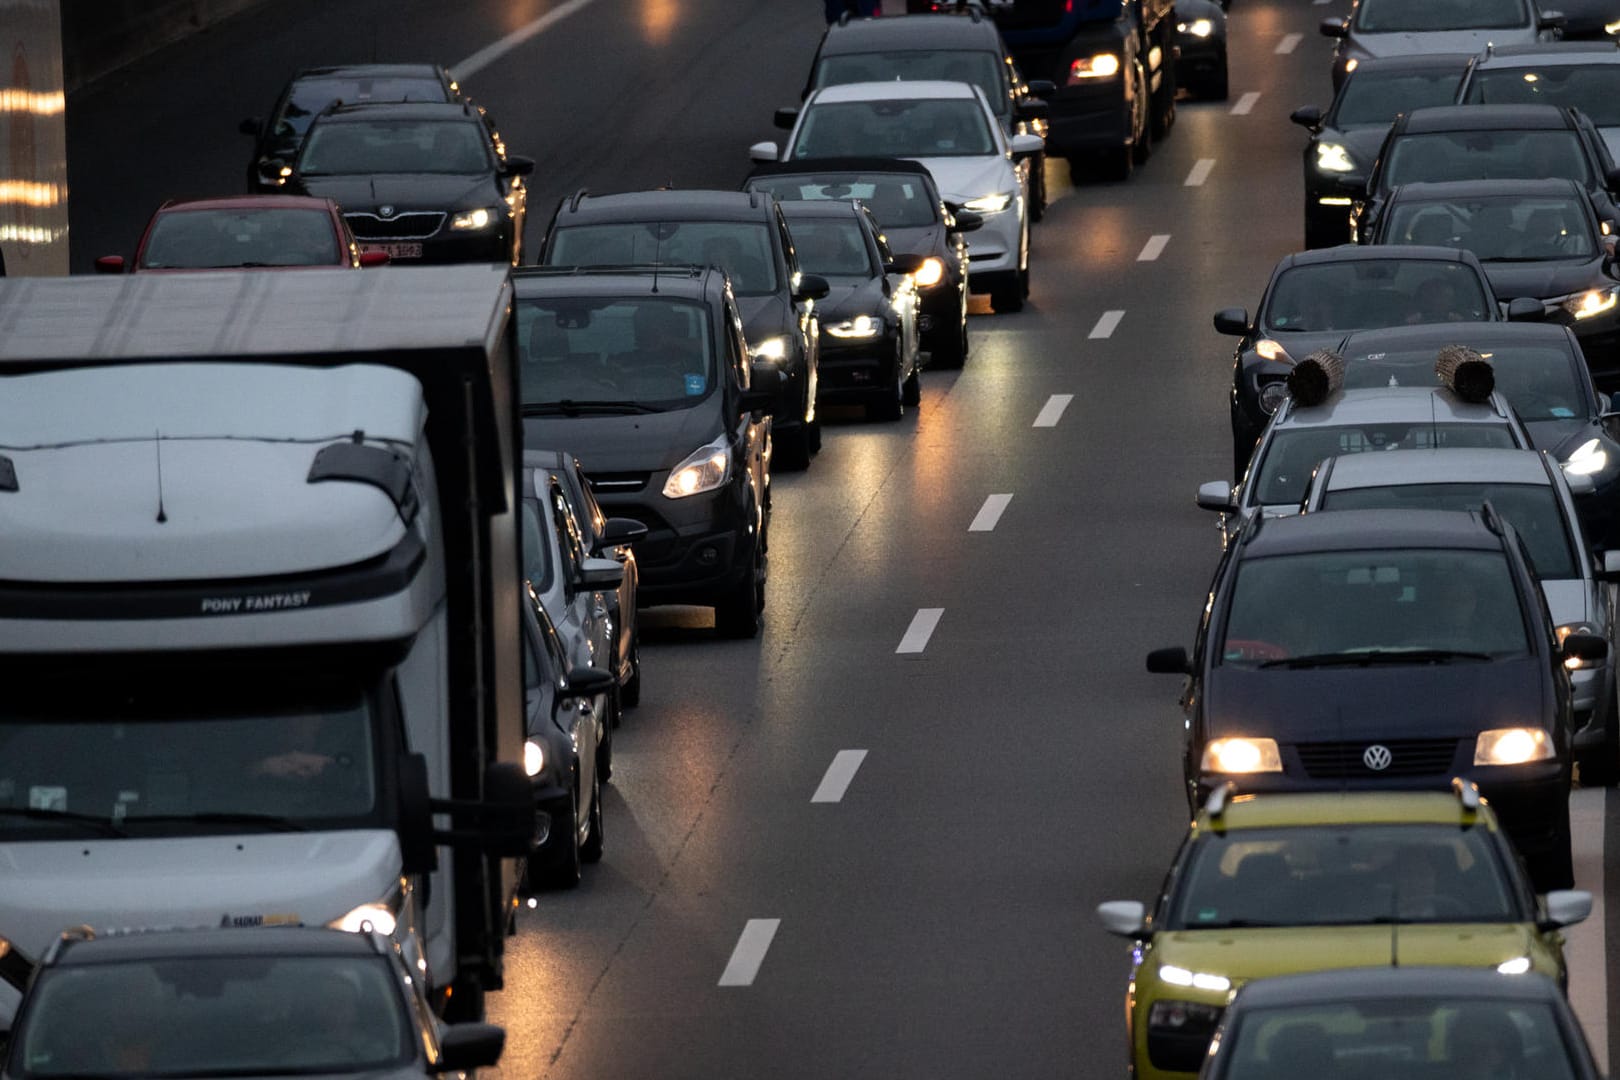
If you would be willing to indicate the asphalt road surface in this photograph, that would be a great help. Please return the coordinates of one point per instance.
(869, 843)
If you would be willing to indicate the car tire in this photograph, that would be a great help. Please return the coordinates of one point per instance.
(737, 615)
(791, 448)
(1162, 109)
(604, 750)
(911, 389)
(950, 348)
(815, 437)
(630, 692)
(889, 404)
(1218, 86)
(1037, 187)
(1600, 766)
(1008, 298)
(591, 850)
(561, 866)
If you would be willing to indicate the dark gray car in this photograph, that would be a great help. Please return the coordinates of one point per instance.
(1380, 28)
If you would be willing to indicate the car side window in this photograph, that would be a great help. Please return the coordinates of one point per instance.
(593, 509)
(568, 535)
(885, 256)
(785, 238)
(736, 353)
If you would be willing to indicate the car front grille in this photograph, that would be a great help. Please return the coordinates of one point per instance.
(412, 225)
(1349, 760)
(618, 483)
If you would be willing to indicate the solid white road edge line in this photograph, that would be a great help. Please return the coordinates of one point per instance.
(1587, 948)
(1200, 172)
(920, 630)
(750, 952)
(1052, 411)
(990, 513)
(1289, 43)
(486, 56)
(1246, 103)
(839, 774)
(1106, 325)
(1154, 247)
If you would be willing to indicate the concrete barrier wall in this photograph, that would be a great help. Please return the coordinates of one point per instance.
(100, 36)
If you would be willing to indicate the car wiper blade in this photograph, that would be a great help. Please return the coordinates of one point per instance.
(1375, 656)
(569, 407)
(271, 821)
(104, 825)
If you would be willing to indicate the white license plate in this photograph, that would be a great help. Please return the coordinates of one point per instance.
(396, 251)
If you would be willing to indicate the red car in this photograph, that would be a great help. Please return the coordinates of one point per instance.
(242, 232)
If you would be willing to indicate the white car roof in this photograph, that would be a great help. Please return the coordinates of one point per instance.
(1395, 405)
(1459, 466)
(895, 90)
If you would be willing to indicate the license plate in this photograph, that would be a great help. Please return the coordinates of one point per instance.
(395, 251)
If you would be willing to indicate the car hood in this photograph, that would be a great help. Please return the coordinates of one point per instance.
(850, 297)
(764, 317)
(915, 240)
(653, 442)
(1544, 280)
(403, 192)
(1388, 701)
(1362, 141)
(963, 178)
(1566, 599)
(1439, 41)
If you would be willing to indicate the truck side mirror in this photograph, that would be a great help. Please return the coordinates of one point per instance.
(508, 825)
(418, 851)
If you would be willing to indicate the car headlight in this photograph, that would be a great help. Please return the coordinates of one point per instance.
(1612, 28)
(1519, 965)
(379, 917)
(1101, 66)
(1197, 28)
(1266, 349)
(1575, 663)
(704, 470)
(1351, 65)
(1272, 395)
(1592, 302)
(861, 326)
(1512, 746)
(1587, 459)
(1180, 976)
(1241, 755)
(931, 273)
(990, 204)
(534, 758)
(772, 348)
(473, 220)
(1333, 157)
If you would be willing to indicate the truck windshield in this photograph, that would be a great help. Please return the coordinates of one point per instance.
(161, 755)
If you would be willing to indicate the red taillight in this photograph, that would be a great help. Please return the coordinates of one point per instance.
(1068, 7)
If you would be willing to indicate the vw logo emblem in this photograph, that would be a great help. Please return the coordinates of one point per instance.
(386, 210)
(1376, 757)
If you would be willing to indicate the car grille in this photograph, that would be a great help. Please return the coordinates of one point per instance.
(1348, 760)
(417, 225)
(618, 483)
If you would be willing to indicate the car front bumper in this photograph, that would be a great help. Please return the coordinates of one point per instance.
(855, 371)
(696, 549)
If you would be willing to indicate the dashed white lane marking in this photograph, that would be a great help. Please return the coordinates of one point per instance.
(921, 629)
(1289, 43)
(1106, 325)
(1587, 947)
(990, 513)
(750, 952)
(1245, 104)
(839, 775)
(1154, 247)
(1200, 172)
(492, 52)
(1052, 411)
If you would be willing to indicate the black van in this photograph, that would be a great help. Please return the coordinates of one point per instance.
(643, 374)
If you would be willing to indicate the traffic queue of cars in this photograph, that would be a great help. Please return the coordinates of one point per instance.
(1405, 661)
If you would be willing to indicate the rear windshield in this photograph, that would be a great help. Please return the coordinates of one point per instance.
(1592, 88)
(310, 96)
(832, 248)
(1371, 293)
(985, 70)
(904, 127)
(741, 248)
(1539, 382)
(1373, 97)
(1435, 157)
(1430, 16)
(198, 239)
(1498, 228)
(1282, 475)
(897, 201)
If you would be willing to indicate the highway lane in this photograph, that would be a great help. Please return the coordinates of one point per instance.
(1019, 768)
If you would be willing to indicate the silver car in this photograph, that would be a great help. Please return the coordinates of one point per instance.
(1535, 496)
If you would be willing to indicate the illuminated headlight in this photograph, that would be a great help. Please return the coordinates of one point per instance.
(472, 220)
(1519, 965)
(1351, 65)
(990, 204)
(1267, 349)
(706, 469)
(1197, 28)
(932, 272)
(861, 326)
(534, 758)
(1588, 458)
(1333, 157)
(1512, 746)
(1272, 395)
(1241, 755)
(1575, 663)
(1593, 302)
(1180, 976)
(774, 348)
(1102, 66)
(376, 918)
(286, 171)
(1612, 28)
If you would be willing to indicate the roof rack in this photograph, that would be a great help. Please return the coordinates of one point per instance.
(1219, 796)
(1467, 793)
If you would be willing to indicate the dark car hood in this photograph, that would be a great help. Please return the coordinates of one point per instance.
(915, 239)
(848, 298)
(1543, 280)
(650, 442)
(403, 192)
(1378, 702)
(1440, 41)
(764, 317)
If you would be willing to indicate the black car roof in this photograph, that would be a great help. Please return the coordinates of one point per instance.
(820, 166)
(232, 941)
(685, 282)
(824, 208)
(1325, 987)
(669, 205)
(1473, 189)
(1372, 252)
(398, 110)
(1433, 335)
(1485, 118)
(917, 32)
(1548, 54)
(1359, 530)
(372, 71)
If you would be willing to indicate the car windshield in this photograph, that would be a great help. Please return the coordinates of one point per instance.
(1396, 1038)
(1344, 603)
(1365, 294)
(1436, 157)
(1532, 509)
(193, 1016)
(899, 127)
(1311, 876)
(1496, 228)
(310, 96)
(122, 747)
(985, 70)
(1592, 88)
(1406, 17)
(1282, 473)
(1373, 98)
(358, 147)
(200, 239)
(741, 248)
(642, 350)
(832, 248)
(897, 201)
(1540, 382)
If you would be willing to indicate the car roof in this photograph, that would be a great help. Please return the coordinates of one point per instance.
(1485, 118)
(1325, 987)
(821, 166)
(216, 941)
(822, 208)
(1412, 62)
(918, 89)
(1344, 253)
(398, 110)
(1394, 405)
(1476, 335)
(422, 70)
(670, 205)
(912, 32)
(1283, 810)
(1474, 189)
(1361, 530)
(249, 202)
(1548, 54)
(1454, 466)
(683, 282)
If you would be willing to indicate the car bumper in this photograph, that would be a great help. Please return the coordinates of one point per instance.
(1199, 57)
(995, 248)
(1589, 692)
(444, 249)
(854, 372)
(695, 550)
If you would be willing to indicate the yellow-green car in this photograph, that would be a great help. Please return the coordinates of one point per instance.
(1278, 884)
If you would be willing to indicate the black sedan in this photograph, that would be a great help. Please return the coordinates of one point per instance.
(423, 183)
(1345, 139)
(1314, 298)
(1201, 48)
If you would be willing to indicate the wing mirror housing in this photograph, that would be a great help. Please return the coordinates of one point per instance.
(1032, 109)
(1171, 661)
(1336, 27)
(588, 682)
(1525, 309)
(1610, 567)
(1566, 907)
(619, 531)
(600, 575)
(1217, 496)
(763, 152)
(904, 263)
(1024, 146)
(419, 854)
(1551, 20)
(786, 117)
(1233, 321)
(1307, 116)
(110, 264)
(811, 287)
(465, 1047)
(501, 824)
(517, 165)
(1587, 647)
(966, 221)
(766, 383)
(1126, 918)
(1042, 88)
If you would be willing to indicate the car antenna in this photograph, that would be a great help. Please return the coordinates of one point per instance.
(157, 446)
(658, 245)
(1394, 926)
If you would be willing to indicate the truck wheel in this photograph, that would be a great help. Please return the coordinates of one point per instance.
(591, 850)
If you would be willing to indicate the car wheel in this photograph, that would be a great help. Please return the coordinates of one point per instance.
(1037, 187)
(1008, 298)
(630, 693)
(557, 865)
(791, 448)
(1142, 148)
(911, 389)
(1555, 867)
(591, 850)
(604, 749)
(1600, 766)
(1218, 88)
(737, 615)
(890, 403)
(815, 437)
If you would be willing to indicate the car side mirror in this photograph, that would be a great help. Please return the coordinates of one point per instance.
(1609, 567)
(1336, 27)
(1551, 20)
(588, 682)
(369, 259)
(1217, 496)
(1033, 109)
(1126, 918)
(1525, 309)
(811, 287)
(1307, 116)
(1171, 661)
(766, 382)
(1233, 321)
(763, 152)
(110, 264)
(251, 125)
(1566, 907)
(785, 118)
(517, 165)
(465, 1047)
(1585, 647)
(905, 263)
(965, 221)
(1024, 146)
(1042, 88)
(600, 575)
(619, 531)
(1611, 179)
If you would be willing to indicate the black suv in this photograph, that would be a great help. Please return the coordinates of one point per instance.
(643, 374)
(422, 183)
(1385, 650)
(744, 235)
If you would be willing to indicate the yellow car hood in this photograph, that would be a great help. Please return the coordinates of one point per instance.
(1244, 954)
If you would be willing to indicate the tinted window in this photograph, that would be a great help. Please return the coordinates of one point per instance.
(651, 352)
(196, 239)
(1403, 16)
(1375, 97)
(1283, 474)
(1341, 602)
(1366, 294)
(395, 146)
(1496, 229)
(896, 201)
(909, 128)
(535, 549)
(1592, 88)
(310, 96)
(982, 69)
(741, 248)
(1486, 155)
(832, 248)
(1540, 382)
